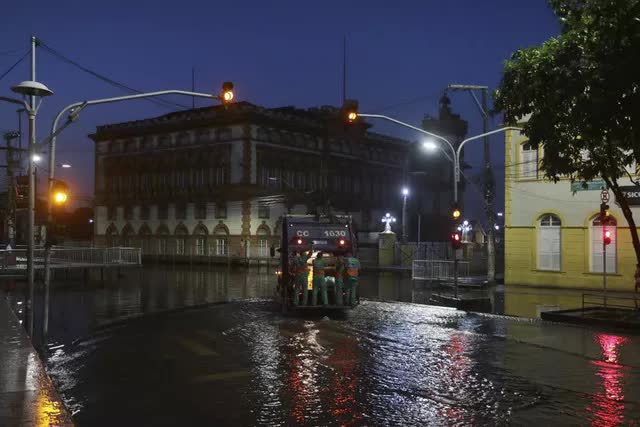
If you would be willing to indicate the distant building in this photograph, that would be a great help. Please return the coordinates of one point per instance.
(553, 236)
(214, 181)
(431, 173)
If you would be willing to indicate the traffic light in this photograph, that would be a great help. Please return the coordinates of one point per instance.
(455, 213)
(59, 193)
(350, 110)
(607, 237)
(456, 240)
(227, 92)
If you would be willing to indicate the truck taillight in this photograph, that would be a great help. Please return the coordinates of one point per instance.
(342, 242)
(299, 241)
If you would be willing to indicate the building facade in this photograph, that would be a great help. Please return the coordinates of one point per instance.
(215, 181)
(553, 236)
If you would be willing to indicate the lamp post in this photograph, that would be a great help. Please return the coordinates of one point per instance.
(455, 158)
(33, 90)
(405, 193)
(226, 96)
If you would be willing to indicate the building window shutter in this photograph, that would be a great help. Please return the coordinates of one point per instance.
(549, 245)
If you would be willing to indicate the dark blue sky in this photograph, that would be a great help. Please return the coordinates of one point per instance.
(276, 52)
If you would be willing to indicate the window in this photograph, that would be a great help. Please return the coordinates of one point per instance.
(263, 247)
(162, 246)
(181, 211)
(112, 213)
(201, 211)
(144, 212)
(221, 246)
(128, 212)
(179, 246)
(263, 211)
(549, 243)
(597, 230)
(221, 210)
(529, 163)
(200, 246)
(163, 211)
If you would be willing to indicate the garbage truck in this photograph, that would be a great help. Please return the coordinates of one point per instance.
(305, 238)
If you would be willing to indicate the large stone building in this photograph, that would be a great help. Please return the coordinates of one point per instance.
(214, 181)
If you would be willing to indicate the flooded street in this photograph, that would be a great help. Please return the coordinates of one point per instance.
(388, 362)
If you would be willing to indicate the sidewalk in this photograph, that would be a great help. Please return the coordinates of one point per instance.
(27, 395)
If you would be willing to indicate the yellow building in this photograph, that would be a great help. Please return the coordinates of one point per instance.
(553, 236)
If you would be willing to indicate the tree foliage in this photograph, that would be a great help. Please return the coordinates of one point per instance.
(581, 94)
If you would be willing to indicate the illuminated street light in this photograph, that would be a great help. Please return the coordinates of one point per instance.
(36, 158)
(405, 193)
(65, 165)
(429, 145)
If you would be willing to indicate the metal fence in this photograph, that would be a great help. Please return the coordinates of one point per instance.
(438, 269)
(16, 259)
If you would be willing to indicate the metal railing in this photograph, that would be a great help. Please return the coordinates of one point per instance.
(604, 300)
(438, 269)
(62, 257)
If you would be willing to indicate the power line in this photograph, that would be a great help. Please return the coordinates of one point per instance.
(407, 102)
(161, 102)
(14, 65)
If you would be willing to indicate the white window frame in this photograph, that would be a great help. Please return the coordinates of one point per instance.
(221, 246)
(180, 245)
(162, 246)
(263, 247)
(529, 161)
(200, 245)
(549, 247)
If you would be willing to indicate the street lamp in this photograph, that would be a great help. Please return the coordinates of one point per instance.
(32, 89)
(225, 96)
(430, 145)
(455, 158)
(405, 193)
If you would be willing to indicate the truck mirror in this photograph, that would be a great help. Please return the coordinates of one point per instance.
(272, 251)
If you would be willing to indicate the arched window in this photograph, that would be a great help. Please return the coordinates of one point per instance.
(597, 258)
(181, 234)
(200, 234)
(263, 233)
(529, 161)
(549, 228)
(162, 235)
(221, 239)
(112, 235)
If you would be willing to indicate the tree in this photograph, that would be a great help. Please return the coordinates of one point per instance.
(581, 93)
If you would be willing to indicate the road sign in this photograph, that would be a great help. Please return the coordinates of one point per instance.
(604, 196)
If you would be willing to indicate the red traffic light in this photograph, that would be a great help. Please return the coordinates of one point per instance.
(607, 237)
(456, 240)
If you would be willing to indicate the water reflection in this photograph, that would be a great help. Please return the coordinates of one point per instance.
(607, 405)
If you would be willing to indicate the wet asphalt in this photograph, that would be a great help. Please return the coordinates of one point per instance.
(384, 363)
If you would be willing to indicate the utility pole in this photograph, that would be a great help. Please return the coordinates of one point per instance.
(489, 184)
(32, 192)
(11, 187)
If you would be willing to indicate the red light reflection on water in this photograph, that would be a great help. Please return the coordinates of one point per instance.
(607, 406)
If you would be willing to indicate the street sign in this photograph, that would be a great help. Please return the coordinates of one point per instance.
(587, 186)
(604, 196)
(632, 194)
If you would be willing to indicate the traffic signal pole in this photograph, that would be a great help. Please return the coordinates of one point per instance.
(604, 262)
(74, 110)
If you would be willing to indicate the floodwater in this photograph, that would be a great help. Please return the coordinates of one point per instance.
(384, 363)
